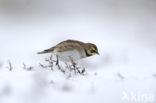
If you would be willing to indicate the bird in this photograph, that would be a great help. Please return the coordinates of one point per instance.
(72, 50)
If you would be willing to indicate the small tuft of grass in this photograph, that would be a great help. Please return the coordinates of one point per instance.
(154, 75)
(120, 76)
(28, 68)
(10, 67)
(50, 62)
(67, 69)
(1, 64)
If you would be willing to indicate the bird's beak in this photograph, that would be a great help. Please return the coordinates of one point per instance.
(98, 53)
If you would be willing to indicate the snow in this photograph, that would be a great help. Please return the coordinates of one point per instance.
(126, 63)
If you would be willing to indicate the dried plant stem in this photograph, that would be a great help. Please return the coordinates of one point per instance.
(73, 67)
(10, 67)
(50, 62)
(154, 75)
(27, 68)
(120, 76)
(59, 68)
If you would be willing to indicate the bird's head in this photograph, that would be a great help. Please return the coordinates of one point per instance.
(91, 49)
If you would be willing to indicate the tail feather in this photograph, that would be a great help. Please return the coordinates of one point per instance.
(47, 51)
(44, 52)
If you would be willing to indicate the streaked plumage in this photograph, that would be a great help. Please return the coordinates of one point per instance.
(72, 49)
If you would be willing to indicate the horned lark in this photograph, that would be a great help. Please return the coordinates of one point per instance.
(72, 49)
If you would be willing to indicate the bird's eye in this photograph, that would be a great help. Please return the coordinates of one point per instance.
(92, 51)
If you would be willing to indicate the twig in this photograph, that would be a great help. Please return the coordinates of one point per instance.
(154, 75)
(73, 67)
(83, 70)
(43, 66)
(24, 66)
(30, 68)
(27, 68)
(10, 67)
(59, 68)
(50, 61)
(120, 76)
(0, 64)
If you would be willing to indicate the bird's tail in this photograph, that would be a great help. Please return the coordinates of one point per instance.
(44, 52)
(47, 51)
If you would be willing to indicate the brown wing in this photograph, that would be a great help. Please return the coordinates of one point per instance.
(64, 46)
(69, 45)
(71, 41)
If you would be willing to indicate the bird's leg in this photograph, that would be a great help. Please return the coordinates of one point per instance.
(73, 64)
(57, 61)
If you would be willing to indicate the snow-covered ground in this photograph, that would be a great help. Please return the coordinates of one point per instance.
(125, 71)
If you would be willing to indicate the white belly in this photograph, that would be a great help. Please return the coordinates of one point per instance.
(68, 55)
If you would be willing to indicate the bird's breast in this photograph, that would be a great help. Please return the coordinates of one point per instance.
(68, 55)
